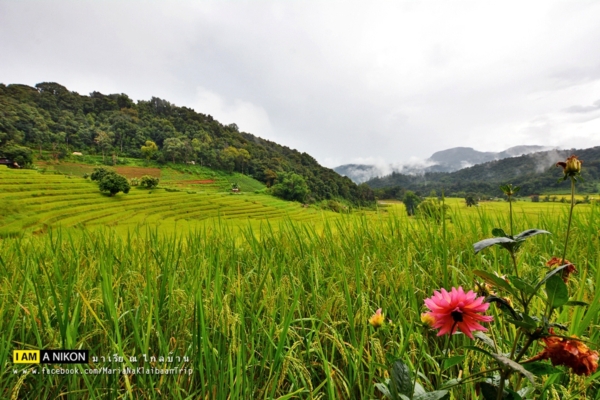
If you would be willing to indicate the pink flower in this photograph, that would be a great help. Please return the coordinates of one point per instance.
(457, 310)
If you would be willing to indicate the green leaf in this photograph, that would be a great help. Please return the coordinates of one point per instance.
(494, 280)
(489, 391)
(521, 284)
(400, 382)
(531, 232)
(541, 368)
(504, 305)
(514, 366)
(523, 324)
(575, 303)
(557, 291)
(419, 389)
(526, 391)
(498, 232)
(435, 395)
(452, 361)
(384, 390)
(511, 395)
(550, 275)
(490, 242)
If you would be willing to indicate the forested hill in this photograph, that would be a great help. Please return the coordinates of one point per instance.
(536, 173)
(50, 117)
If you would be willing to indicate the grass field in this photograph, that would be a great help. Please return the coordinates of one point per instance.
(273, 309)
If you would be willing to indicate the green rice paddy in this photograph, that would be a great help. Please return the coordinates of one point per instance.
(253, 297)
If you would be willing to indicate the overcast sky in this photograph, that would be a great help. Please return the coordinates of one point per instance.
(364, 81)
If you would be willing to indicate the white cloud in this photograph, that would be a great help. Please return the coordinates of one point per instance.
(246, 115)
(339, 80)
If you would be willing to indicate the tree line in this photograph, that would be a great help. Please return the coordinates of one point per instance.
(49, 117)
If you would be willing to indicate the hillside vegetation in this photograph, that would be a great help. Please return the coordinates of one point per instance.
(49, 117)
(536, 173)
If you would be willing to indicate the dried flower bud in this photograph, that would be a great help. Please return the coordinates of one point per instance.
(557, 262)
(571, 167)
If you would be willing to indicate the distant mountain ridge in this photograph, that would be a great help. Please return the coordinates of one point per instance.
(448, 160)
(536, 173)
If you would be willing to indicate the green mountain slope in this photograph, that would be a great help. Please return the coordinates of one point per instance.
(52, 118)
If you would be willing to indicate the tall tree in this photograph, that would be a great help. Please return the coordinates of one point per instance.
(149, 149)
(173, 148)
(104, 142)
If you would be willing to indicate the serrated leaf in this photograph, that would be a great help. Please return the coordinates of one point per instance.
(557, 291)
(484, 338)
(494, 280)
(541, 368)
(531, 232)
(514, 366)
(575, 303)
(400, 381)
(452, 361)
(521, 284)
(485, 243)
(498, 232)
(435, 395)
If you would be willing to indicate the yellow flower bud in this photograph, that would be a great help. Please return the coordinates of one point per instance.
(427, 319)
(377, 319)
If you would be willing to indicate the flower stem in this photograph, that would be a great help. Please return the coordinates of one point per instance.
(503, 377)
(514, 347)
(510, 215)
(514, 259)
(570, 217)
(471, 377)
(528, 343)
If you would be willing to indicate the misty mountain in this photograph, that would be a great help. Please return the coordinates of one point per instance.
(535, 173)
(462, 157)
(449, 160)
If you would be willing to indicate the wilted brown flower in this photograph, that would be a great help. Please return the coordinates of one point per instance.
(571, 353)
(571, 167)
(557, 262)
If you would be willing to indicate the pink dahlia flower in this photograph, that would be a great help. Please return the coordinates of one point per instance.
(457, 310)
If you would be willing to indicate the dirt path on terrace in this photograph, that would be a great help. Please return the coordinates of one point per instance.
(137, 172)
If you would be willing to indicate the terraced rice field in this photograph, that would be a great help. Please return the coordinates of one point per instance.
(33, 202)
